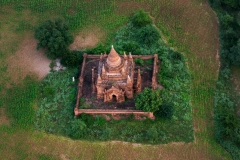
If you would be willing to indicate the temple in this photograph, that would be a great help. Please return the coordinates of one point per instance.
(115, 79)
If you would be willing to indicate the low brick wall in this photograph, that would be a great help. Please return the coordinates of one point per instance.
(78, 111)
(112, 112)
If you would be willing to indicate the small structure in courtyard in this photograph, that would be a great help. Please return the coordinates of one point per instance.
(113, 79)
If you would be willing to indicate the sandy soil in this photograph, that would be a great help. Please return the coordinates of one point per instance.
(28, 60)
(3, 118)
(86, 39)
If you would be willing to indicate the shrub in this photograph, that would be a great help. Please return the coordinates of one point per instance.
(88, 119)
(72, 58)
(148, 35)
(166, 110)
(152, 134)
(238, 19)
(230, 123)
(78, 128)
(132, 47)
(100, 48)
(51, 65)
(148, 100)
(226, 20)
(141, 19)
(55, 36)
(48, 91)
(99, 121)
(139, 61)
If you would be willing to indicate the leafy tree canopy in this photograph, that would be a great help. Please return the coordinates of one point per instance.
(148, 100)
(72, 58)
(141, 19)
(54, 36)
(148, 35)
(231, 3)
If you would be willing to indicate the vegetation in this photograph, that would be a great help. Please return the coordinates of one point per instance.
(141, 19)
(21, 106)
(148, 100)
(55, 108)
(55, 37)
(227, 123)
(166, 110)
(54, 115)
(72, 58)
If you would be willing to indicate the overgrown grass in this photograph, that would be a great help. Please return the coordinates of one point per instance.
(20, 106)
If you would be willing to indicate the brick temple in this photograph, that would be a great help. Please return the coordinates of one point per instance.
(115, 78)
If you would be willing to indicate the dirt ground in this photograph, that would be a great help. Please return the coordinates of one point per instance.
(3, 118)
(86, 39)
(28, 60)
(90, 98)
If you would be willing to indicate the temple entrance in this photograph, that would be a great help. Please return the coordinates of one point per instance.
(114, 98)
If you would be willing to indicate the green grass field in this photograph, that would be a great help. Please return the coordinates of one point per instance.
(181, 26)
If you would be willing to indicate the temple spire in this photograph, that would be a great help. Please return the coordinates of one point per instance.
(113, 58)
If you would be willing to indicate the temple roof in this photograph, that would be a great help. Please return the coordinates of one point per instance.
(113, 59)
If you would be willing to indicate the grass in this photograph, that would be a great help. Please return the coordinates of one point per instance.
(193, 35)
(235, 88)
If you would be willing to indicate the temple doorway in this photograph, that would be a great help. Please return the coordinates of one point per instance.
(114, 98)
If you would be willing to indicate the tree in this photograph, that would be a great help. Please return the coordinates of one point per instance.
(72, 58)
(231, 3)
(148, 35)
(238, 19)
(148, 100)
(54, 36)
(226, 20)
(166, 110)
(141, 19)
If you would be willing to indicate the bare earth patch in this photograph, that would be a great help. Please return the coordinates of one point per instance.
(28, 60)
(3, 118)
(86, 39)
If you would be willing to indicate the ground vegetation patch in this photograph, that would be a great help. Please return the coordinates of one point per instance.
(227, 121)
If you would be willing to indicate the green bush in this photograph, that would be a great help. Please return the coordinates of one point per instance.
(88, 119)
(238, 19)
(139, 61)
(166, 110)
(100, 48)
(78, 128)
(48, 91)
(72, 58)
(99, 121)
(141, 19)
(152, 134)
(54, 36)
(132, 47)
(148, 100)
(148, 35)
(55, 113)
